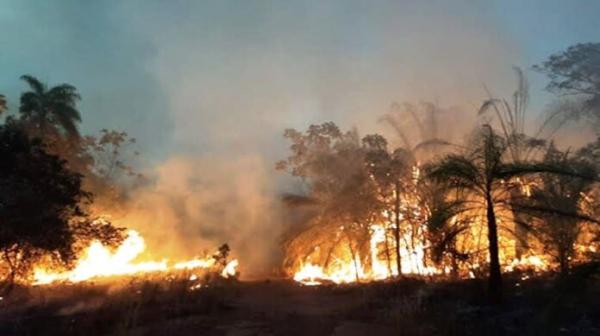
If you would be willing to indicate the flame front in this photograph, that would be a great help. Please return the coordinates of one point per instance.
(99, 261)
(339, 258)
(345, 269)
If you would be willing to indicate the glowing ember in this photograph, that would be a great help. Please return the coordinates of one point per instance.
(100, 261)
(531, 262)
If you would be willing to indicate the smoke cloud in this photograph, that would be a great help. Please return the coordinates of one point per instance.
(235, 76)
(208, 88)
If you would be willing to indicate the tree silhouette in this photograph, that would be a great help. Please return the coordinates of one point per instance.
(105, 164)
(484, 173)
(575, 74)
(560, 227)
(511, 116)
(40, 206)
(392, 173)
(340, 193)
(50, 112)
(575, 71)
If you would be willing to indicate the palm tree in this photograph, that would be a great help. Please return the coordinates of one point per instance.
(511, 117)
(417, 128)
(50, 112)
(483, 173)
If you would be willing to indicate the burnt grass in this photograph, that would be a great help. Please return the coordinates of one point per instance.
(541, 305)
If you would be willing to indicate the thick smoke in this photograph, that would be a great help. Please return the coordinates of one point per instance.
(208, 88)
(236, 76)
(197, 203)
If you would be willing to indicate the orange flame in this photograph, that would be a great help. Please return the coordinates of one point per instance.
(99, 261)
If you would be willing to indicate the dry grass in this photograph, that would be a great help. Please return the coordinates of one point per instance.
(155, 306)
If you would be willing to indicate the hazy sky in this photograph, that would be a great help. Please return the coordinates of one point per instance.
(209, 75)
(207, 87)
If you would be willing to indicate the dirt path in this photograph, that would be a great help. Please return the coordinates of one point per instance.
(285, 308)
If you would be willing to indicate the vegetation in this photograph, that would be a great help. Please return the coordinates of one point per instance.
(391, 174)
(341, 195)
(564, 195)
(484, 175)
(432, 195)
(575, 76)
(40, 206)
(47, 172)
(543, 305)
(50, 113)
(419, 203)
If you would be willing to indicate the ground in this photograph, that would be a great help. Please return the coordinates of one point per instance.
(543, 305)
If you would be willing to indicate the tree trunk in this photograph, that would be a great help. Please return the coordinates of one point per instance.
(454, 261)
(495, 276)
(387, 253)
(397, 228)
(354, 260)
(454, 270)
(563, 260)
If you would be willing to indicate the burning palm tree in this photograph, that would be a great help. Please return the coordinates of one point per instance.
(484, 174)
(521, 148)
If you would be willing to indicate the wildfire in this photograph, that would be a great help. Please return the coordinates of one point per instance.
(310, 275)
(99, 261)
(346, 269)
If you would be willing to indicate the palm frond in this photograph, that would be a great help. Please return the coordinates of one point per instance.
(457, 170)
(68, 125)
(389, 119)
(432, 143)
(35, 84)
(492, 103)
(442, 214)
(543, 212)
(30, 102)
(510, 170)
(411, 111)
(66, 111)
(486, 106)
(65, 93)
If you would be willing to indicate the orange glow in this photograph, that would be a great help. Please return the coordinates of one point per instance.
(99, 261)
(345, 269)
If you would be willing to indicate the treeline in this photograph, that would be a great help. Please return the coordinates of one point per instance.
(54, 181)
(504, 183)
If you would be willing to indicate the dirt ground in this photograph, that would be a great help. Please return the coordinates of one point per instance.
(537, 306)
